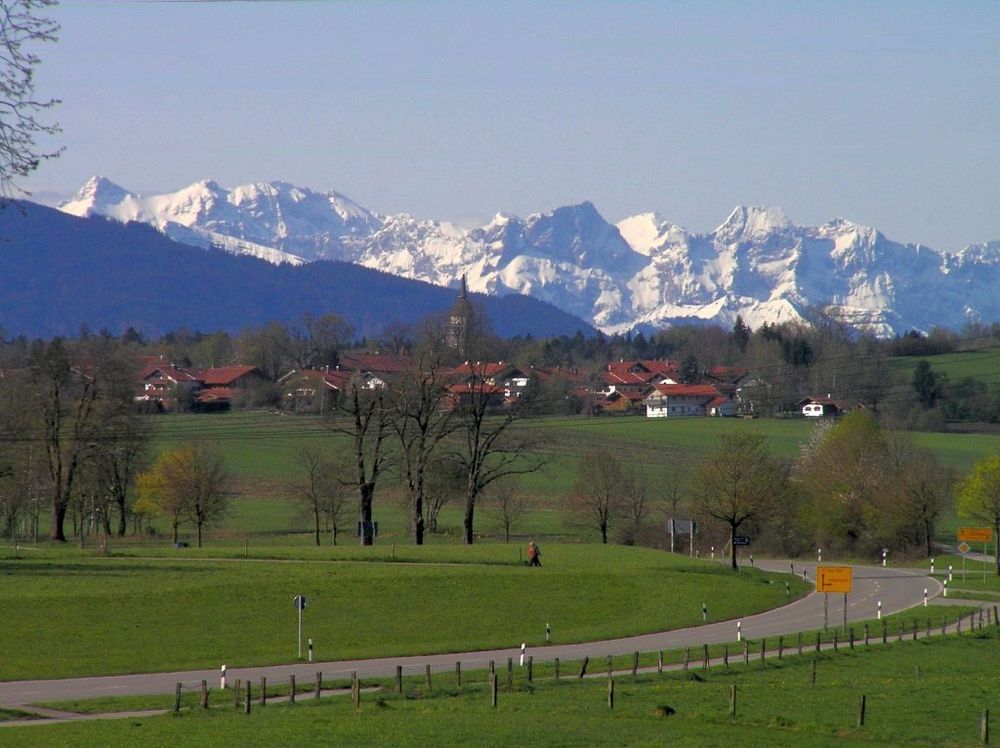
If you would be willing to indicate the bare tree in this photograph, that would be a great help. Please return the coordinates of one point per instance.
(362, 415)
(597, 494)
(489, 449)
(319, 489)
(421, 421)
(508, 506)
(21, 111)
(739, 482)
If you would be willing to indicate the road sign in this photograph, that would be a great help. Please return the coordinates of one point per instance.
(834, 579)
(976, 534)
(741, 540)
(964, 547)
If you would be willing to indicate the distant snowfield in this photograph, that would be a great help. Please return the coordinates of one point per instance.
(642, 273)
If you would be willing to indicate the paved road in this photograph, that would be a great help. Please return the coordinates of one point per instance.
(898, 589)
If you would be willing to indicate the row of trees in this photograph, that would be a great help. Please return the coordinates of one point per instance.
(854, 489)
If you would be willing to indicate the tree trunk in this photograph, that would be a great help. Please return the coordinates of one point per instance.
(175, 532)
(367, 493)
(58, 517)
(732, 547)
(417, 517)
(604, 533)
(467, 523)
(199, 534)
(121, 520)
(316, 514)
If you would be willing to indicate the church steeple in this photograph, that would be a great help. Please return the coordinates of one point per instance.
(460, 320)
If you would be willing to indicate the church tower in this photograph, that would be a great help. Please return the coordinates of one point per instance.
(460, 321)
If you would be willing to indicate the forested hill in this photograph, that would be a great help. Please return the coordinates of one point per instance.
(59, 272)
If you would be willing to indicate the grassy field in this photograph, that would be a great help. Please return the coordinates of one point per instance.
(259, 449)
(134, 613)
(982, 364)
(929, 692)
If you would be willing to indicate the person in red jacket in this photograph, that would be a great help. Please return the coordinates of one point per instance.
(534, 555)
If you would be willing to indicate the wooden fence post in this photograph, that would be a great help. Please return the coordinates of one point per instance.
(984, 727)
(996, 616)
(531, 667)
(851, 634)
(611, 693)
(510, 672)
(725, 656)
(705, 659)
(291, 688)
(885, 631)
(427, 676)
(861, 712)
(399, 679)
(493, 690)
(836, 647)
(355, 690)
(800, 642)
(263, 690)
(916, 627)
(763, 652)
(781, 646)
(866, 634)
(247, 698)
(732, 700)
(583, 666)
(458, 674)
(687, 657)
(236, 694)
(204, 694)
(635, 663)
(609, 665)
(177, 697)
(746, 652)
(944, 625)
(557, 668)
(818, 640)
(319, 683)
(659, 662)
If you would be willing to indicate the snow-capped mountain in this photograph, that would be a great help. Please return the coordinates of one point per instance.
(645, 272)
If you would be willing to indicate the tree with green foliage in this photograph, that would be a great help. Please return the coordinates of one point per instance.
(741, 333)
(979, 497)
(927, 384)
(739, 482)
(190, 482)
(690, 371)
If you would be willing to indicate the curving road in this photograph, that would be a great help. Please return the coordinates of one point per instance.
(898, 589)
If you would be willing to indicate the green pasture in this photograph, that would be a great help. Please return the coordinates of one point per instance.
(981, 363)
(928, 692)
(137, 613)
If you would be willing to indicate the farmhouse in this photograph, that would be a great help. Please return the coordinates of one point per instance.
(686, 400)
(820, 407)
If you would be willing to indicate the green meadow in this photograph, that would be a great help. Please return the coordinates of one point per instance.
(927, 692)
(135, 612)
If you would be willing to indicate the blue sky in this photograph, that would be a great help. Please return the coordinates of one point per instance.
(884, 113)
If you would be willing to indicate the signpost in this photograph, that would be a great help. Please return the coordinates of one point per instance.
(834, 579)
(300, 605)
(968, 535)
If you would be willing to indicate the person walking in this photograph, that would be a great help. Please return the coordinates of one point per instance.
(534, 554)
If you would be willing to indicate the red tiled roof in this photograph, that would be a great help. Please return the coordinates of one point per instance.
(178, 375)
(214, 395)
(687, 390)
(225, 375)
(374, 362)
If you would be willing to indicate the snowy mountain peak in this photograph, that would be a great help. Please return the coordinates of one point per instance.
(645, 272)
(753, 220)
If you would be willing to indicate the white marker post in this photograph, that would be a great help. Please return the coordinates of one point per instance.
(310, 650)
(548, 633)
(878, 613)
(739, 631)
(932, 567)
(885, 552)
(946, 588)
(222, 679)
(523, 645)
(704, 612)
(713, 551)
(925, 597)
(950, 573)
(819, 555)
